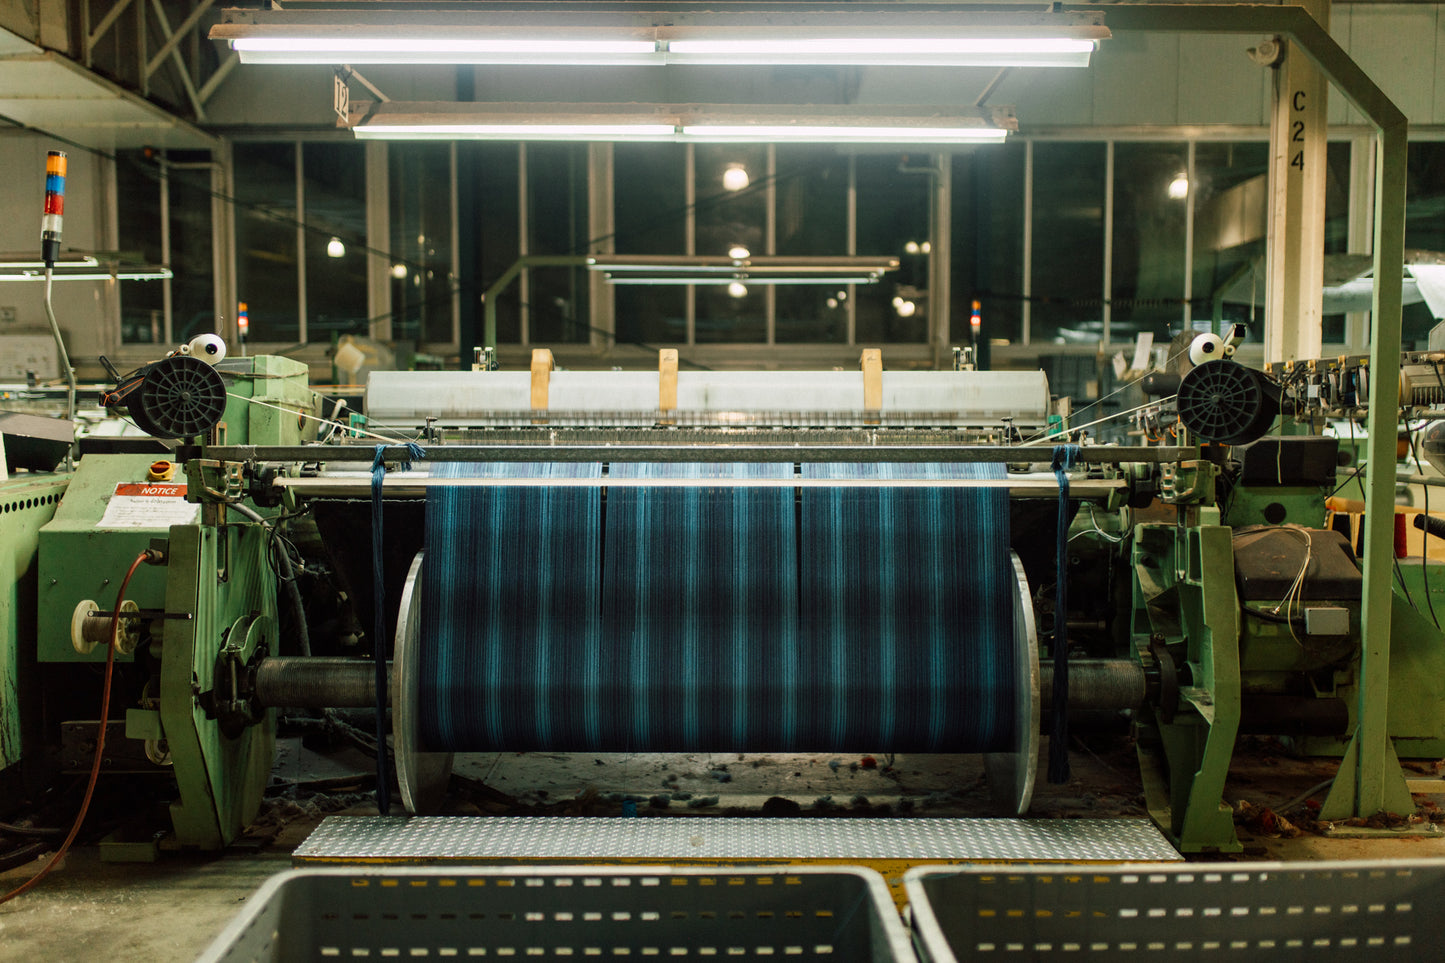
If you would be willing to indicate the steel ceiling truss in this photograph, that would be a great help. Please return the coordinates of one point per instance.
(157, 47)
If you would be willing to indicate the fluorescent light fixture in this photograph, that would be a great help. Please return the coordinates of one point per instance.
(725, 123)
(855, 34)
(837, 134)
(442, 49)
(64, 261)
(709, 269)
(702, 280)
(1016, 51)
(567, 132)
(142, 274)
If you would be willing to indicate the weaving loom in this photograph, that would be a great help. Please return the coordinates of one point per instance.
(717, 617)
(709, 562)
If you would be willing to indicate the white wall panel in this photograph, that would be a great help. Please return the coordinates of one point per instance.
(1219, 84)
(1396, 45)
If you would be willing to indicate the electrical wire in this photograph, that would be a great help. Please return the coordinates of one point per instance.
(1037, 440)
(1305, 795)
(1424, 537)
(310, 417)
(1049, 432)
(1095, 529)
(99, 737)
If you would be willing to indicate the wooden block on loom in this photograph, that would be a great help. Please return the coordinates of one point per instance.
(872, 363)
(542, 365)
(667, 380)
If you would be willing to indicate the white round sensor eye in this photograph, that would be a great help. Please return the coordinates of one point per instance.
(1206, 347)
(208, 347)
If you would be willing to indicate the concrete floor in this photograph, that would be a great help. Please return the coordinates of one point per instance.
(172, 909)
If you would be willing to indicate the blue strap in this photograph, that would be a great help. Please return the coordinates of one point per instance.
(378, 626)
(1059, 736)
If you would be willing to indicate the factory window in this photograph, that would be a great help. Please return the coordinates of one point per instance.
(488, 176)
(1231, 203)
(557, 307)
(1151, 212)
(893, 219)
(1337, 228)
(733, 184)
(267, 272)
(987, 240)
(650, 217)
(163, 203)
(333, 178)
(1068, 243)
(302, 253)
(811, 218)
(420, 256)
(1424, 228)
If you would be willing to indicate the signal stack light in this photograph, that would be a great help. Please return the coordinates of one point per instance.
(51, 222)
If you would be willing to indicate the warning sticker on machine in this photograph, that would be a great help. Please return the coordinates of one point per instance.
(149, 505)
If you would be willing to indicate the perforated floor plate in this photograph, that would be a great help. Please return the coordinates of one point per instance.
(574, 839)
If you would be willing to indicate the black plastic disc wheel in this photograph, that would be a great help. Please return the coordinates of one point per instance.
(180, 397)
(1225, 402)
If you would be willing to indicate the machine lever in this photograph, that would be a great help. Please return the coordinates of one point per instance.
(1431, 525)
(146, 614)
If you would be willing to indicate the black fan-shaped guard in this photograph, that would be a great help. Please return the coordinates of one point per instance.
(1225, 402)
(180, 397)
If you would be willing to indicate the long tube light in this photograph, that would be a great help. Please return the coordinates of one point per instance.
(847, 34)
(61, 262)
(729, 123)
(665, 280)
(157, 275)
(1020, 51)
(443, 49)
(1015, 51)
(705, 269)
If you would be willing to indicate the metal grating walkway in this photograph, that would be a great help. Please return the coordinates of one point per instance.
(732, 840)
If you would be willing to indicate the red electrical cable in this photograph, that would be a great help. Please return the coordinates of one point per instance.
(99, 739)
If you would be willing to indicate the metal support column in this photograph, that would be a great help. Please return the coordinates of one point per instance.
(378, 239)
(1370, 778)
(940, 261)
(1296, 248)
(600, 225)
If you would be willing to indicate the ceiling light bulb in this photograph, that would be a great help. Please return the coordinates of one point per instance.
(735, 178)
(398, 271)
(906, 309)
(334, 248)
(842, 295)
(832, 302)
(1179, 187)
(911, 247)
(926, 247)
(737, 252)
(897, 302)
(737, 289)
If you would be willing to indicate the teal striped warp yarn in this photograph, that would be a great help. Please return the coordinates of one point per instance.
(717, 618)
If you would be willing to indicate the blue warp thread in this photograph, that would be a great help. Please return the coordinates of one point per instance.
(378, 625)
(1064, 456)
(717, 618)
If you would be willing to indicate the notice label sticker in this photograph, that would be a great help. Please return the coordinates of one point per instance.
(149, 505)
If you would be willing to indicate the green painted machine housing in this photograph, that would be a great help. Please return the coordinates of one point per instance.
(1416, 717)
(82, 559)
(27, 503)
(1185, 611)
(221, 575)
(274, 383)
